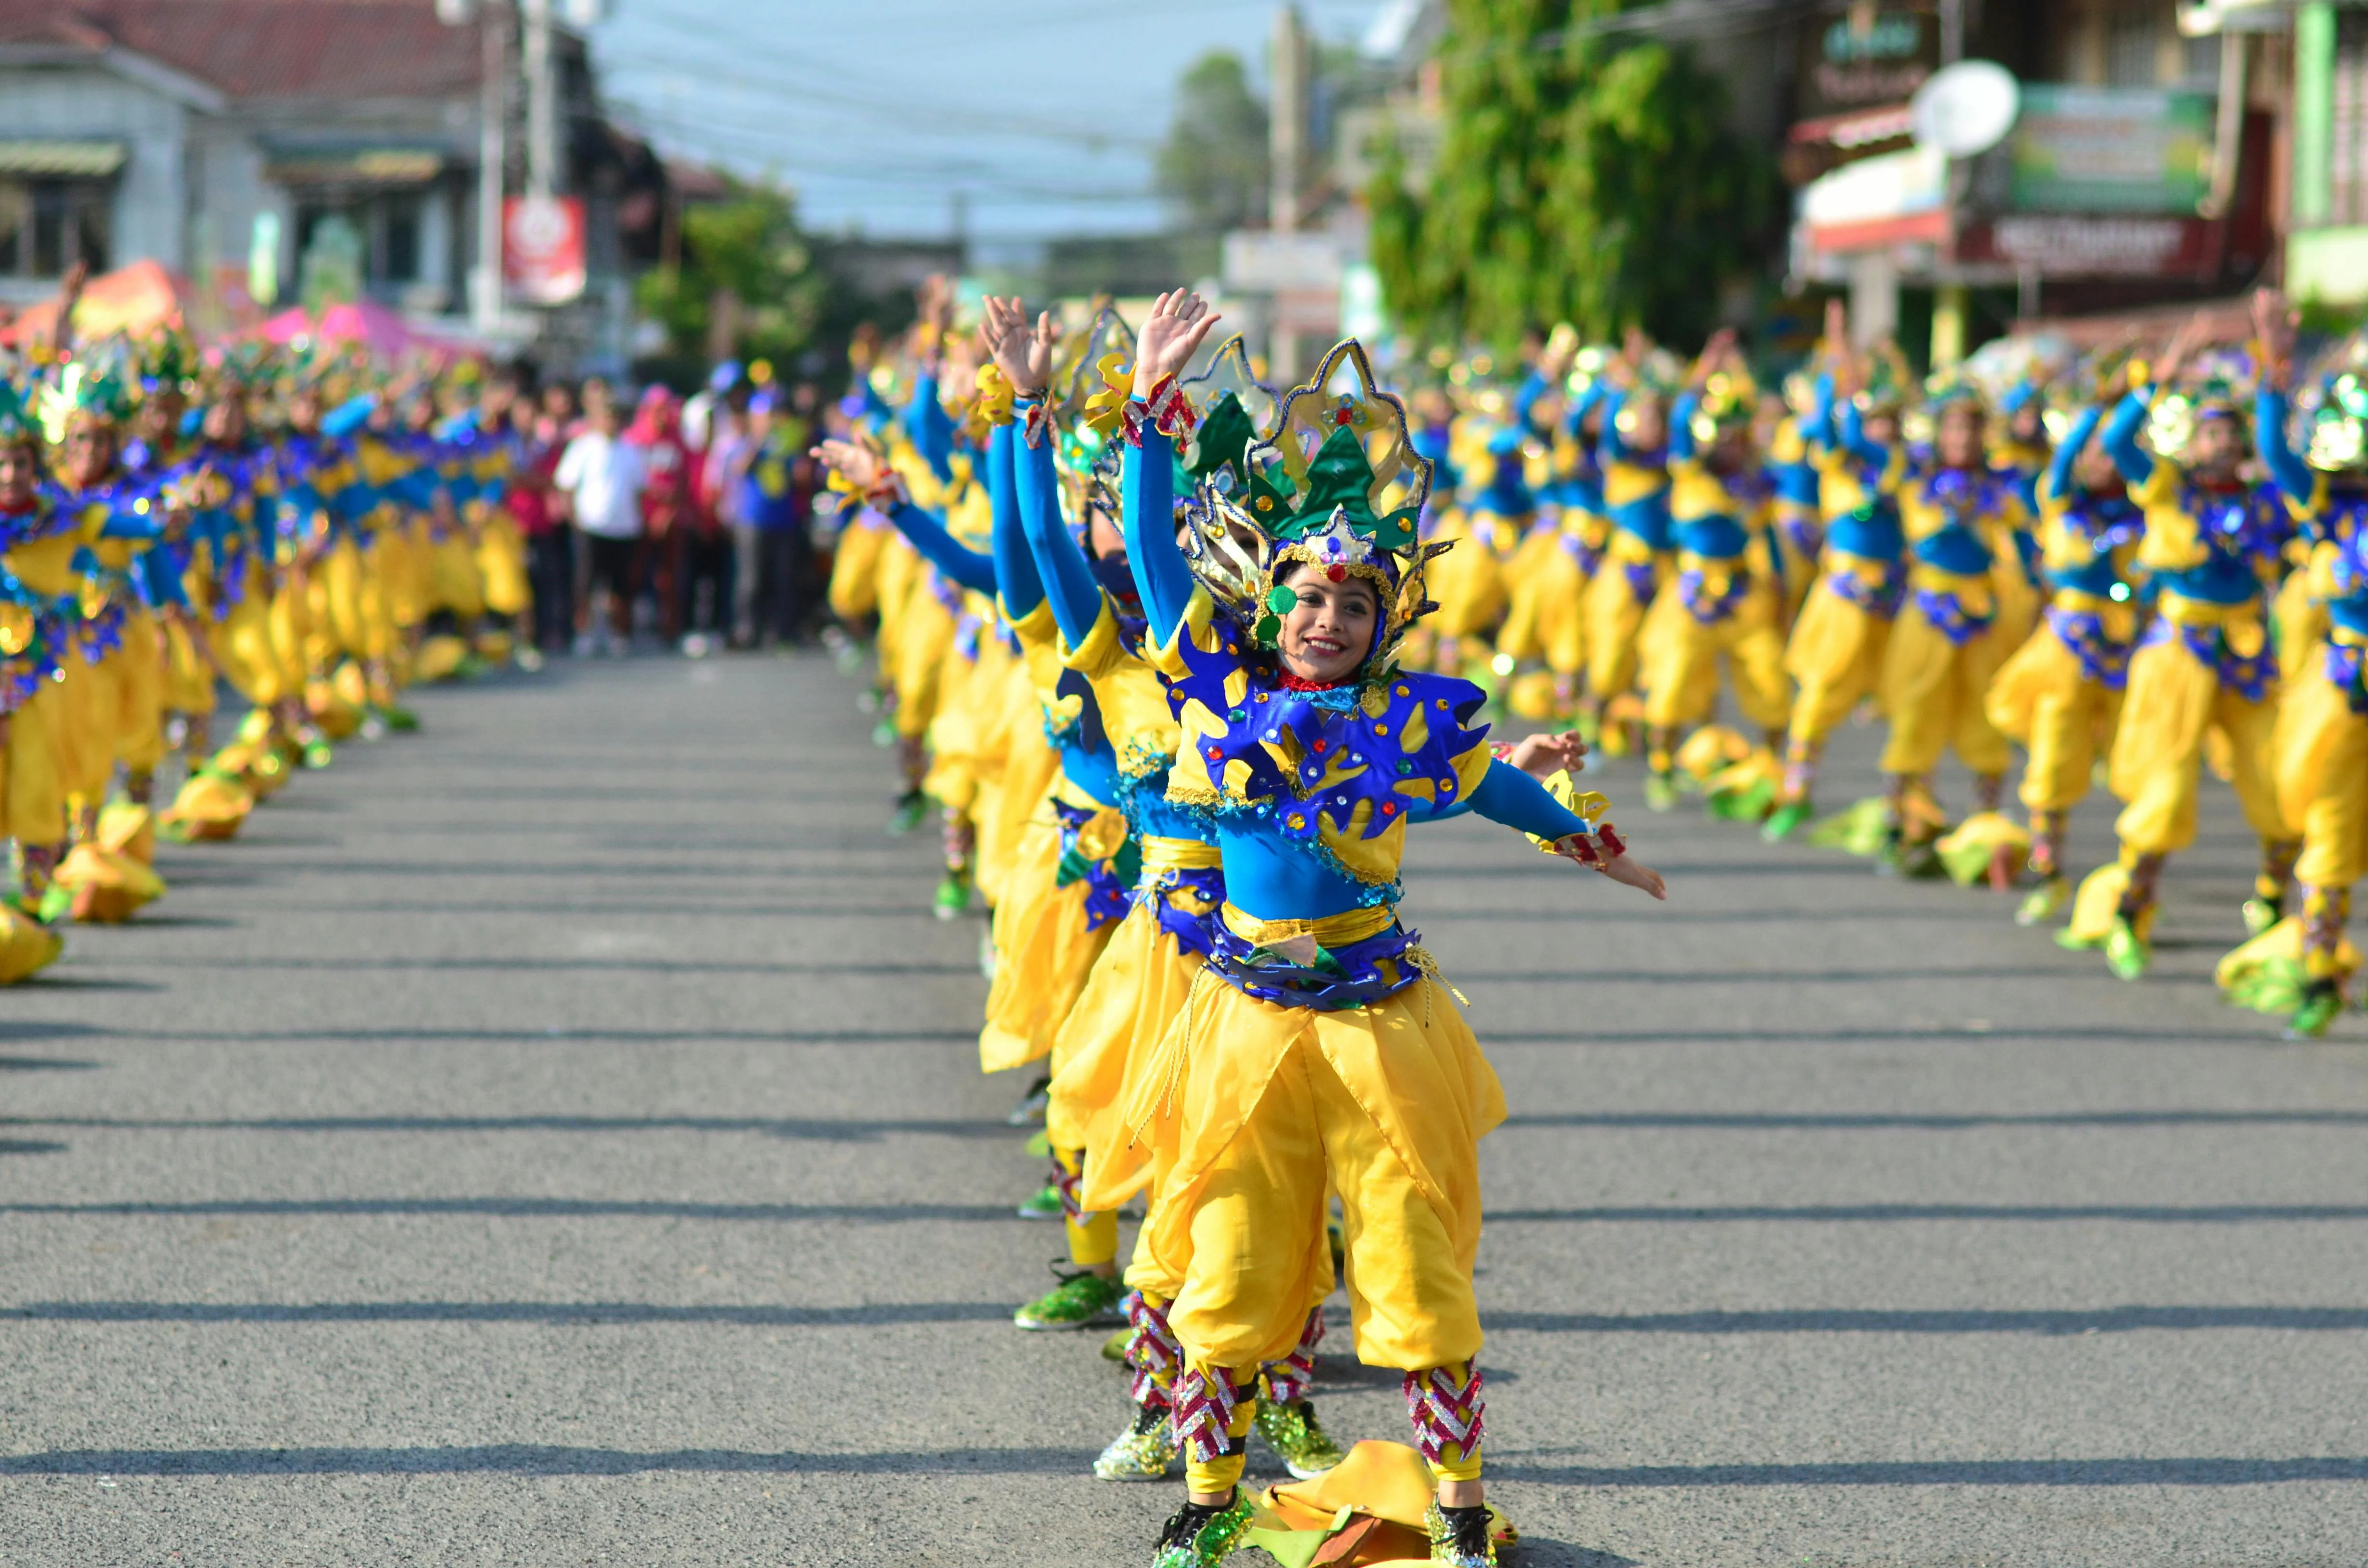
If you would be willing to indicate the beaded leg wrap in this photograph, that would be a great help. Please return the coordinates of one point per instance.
(1153, 1356)
(2137, 899)
(1448, 1414)
(959, 840)
(2325, 912)
(2047, 833)
(139, 785)
(2278, 857)
(1800, 766)
(1289, 1380)
(1989, 788)
(1068, 1180)
(40, 865)
(1211, 1418)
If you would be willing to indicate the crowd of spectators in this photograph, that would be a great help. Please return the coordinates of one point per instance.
(673, 523)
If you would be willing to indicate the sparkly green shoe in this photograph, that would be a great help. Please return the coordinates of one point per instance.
(1044, 1203)
(399, 719)
(2322, 1000)
(1297, 1438)
(1032, 1104)
(952, 898)
(883, 733)
(1785, 821)
(1199, 1536)
(1082, 1300)
(2127, 954)
(318, 753)
(2261, 914)
(2044, 901)
(1462, 1538)
(1660, 793)
(55, 907)
(911, 807)
(1142, 1452)
(1114, 1347)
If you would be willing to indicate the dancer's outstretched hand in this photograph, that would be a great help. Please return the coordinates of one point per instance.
(1171, 334)
(1542, 756)
(1626, 868)
(853, 461)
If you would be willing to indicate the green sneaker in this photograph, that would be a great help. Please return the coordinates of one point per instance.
(318, 754)
(56, 907)
(2261, 914)
(1199, 1536)
(1142, 1452)
(1043, 1204)
(1785, 821)
(2321, 1001)
(1461, 1536)
(2128, 954)
(952, 900)
(2044, 901)
(911, 807)
(1297, 1438)
(400, 719)
(1039, 1146)
(1660, 793)
(1082, 1300)
(883, 733)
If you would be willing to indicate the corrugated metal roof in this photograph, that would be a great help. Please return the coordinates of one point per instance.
(270, 48)
(84, 160)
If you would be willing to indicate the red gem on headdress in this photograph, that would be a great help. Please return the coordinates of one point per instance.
(1337, 572)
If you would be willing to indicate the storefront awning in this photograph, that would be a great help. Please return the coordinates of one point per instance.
(61, 160)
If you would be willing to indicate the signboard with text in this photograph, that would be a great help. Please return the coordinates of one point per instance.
(2090, 245)
(2109, 149)
(1865, 57)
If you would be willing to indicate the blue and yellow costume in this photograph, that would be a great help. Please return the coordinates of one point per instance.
(2060, 694)
(1317, 1048)
(2204, 663)
(2300, 967)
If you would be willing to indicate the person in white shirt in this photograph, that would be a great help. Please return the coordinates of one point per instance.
(602, 478)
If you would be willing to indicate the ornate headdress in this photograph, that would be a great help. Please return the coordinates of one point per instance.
(2332, 411)
(1339, 485)
(1088, 412)
(17, 423)
(2218, 384)
(84, 392)
(1728, 398)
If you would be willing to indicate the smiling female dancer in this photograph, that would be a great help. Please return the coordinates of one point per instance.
(1315, 1049)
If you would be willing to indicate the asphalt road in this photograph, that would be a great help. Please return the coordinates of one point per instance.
(555, 1138)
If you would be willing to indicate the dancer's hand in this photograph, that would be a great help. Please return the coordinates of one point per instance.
(1180, 319)
(1542, 756)
(2274, 325)
(851, 460)
(1626, 868)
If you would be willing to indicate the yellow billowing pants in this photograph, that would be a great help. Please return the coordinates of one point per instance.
(122, 703)
(2321, 751)
(188, 674)
(2174, 700)
(2040, 698)
(501, 565)
(1044, 950)
(1836, 653)
(453, 584)
(33, 771)
(1931, 691)
(1615, 619)
(1268, 1107)
(1683, 655)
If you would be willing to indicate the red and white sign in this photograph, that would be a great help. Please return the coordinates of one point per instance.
(2091, 246)
(1891, 198)
(542, 248)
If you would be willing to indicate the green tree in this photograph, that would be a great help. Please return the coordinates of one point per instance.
(1581, 177)
(1212, 170)
(748, 284)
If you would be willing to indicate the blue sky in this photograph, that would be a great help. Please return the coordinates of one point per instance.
(1043, 113)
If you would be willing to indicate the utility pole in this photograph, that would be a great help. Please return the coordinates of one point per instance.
(492, 113)
(1287, 155)
(541, 100)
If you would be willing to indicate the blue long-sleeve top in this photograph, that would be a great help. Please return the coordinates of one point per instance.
(1265, 876)
(2292, 476)
(930, 428)
(2067, 453)
(1016, 583)
(1636, 487)
(2216, 558)
(971, 569)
